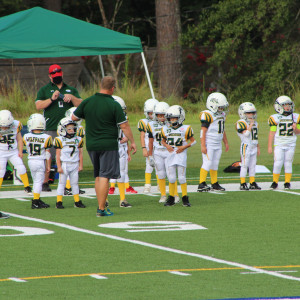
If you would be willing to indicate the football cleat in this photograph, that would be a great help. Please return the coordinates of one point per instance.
(59, 205)
(124, 203)
(185, 201)
(274, 186)
(111, 190)
(43, 204)
(177, 199)
(106, 204)
(287, 185)
(216, 187)
(131, 190)
(79, 204)
(203, 187)
(35, 204)
(46, 187)
(68, 192)
(28, 190)
(104, 213)
(163, 199)
(244, 187)
(147, 189)
(4, 216)
(254, 186)
(170, 201)
(81, 192)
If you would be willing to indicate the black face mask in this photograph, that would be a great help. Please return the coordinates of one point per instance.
(57, 79)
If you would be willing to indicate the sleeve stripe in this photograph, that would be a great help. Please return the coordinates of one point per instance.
(272, 122)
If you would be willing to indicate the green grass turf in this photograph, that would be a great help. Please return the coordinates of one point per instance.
(252, 228)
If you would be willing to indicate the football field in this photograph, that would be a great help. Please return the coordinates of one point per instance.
(232, 244)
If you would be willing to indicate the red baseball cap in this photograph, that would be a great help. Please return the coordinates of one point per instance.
(55, 70)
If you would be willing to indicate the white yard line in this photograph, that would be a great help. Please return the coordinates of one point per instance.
(179, 273)
(17, 279)
(145, 244)
(96, 276)
(288, 192)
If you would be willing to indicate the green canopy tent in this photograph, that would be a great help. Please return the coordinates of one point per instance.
(38, 32)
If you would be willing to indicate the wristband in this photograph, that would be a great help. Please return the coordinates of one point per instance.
(51, 99)
(143, 147)
(193, 143)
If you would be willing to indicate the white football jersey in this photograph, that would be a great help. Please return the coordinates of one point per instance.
(177, 137)
(284, 129)
(154, 131)
(69, 148)
(242, 125)
(8, 141)
(216, 126)
(36, 144)
(142, 126)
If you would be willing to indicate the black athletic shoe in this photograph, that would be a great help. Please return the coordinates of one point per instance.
(203, 187)
(124, 203)
(106, 204)
(81, 192)
(254, 186)
(244, 187)
(217, 187)
(287, 185)
(43, 204)
(35, 204)
(46, 187)
(68, 192)
(4, 216)
(170, 201)
(59, 205)
(274, 186)
(79, 204)
(185, 201)
(28, 190)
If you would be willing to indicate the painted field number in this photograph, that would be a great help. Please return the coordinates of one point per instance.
(143, 226)
(24, 231)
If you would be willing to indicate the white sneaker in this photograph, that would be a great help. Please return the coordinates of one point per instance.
(162, 199)
(177, 199)
(147, 189)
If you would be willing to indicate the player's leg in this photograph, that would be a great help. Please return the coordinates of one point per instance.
(74, 178)
(61, 186)
(3, 163)
(214, 170)
(252, 166)
(161, 174)
(171, 173)
(128, 187)
(148, 172)
(245, 158)
(206, 166)
(288, 166)
(121, 180)
(181, 170)
(278, 163)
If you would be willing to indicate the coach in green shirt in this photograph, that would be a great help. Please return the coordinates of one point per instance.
(102, 116)
(55, 99)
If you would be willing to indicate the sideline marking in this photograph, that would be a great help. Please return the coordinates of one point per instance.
(16, 279)
(288, 192)
(22, 199)
(179, 273)
(96, 276)
(147, 272)
(145, 244)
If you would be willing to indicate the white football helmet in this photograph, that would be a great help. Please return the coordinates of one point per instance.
(247, 107)
(175, 111)
(120, 101)
(36, 121)
(69, 114)
(160, 109)
(217, 103)
(62, 127)
(6, 120)
(282, 101)
(149, 106)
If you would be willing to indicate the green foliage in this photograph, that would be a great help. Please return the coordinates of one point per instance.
(255, 47)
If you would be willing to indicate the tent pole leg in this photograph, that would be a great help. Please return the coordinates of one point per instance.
(147, 75)
(101, 65)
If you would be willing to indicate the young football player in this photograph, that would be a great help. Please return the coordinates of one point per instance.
(38, 146)
(177, 138)
(212, 134)
(283, 128)
(11, 147)
(81, 133)
(124, 158)
(247, 130)
(69, 159)
(157, 152)
(144, 138)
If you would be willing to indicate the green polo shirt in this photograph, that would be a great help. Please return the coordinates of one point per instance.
(57, 109)
(102, 116)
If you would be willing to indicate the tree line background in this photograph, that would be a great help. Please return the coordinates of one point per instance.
(247, 49)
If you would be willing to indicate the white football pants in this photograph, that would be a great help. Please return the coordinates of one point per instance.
(248, 160)
(13, 157)
(283, 155)
(37, 170)
(69, 169)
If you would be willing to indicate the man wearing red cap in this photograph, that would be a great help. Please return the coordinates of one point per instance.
(55, 99)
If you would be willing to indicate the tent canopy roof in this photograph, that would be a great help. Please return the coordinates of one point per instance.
(38, 32)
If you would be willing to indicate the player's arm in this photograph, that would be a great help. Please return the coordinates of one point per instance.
(80, 160)
(191, 143)
(258, 150)
(48, 160)
(203, 139)
(58, 161)
(125, 127)
(164, 143)
(225, 141)
(270, 140)
(20, 144)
